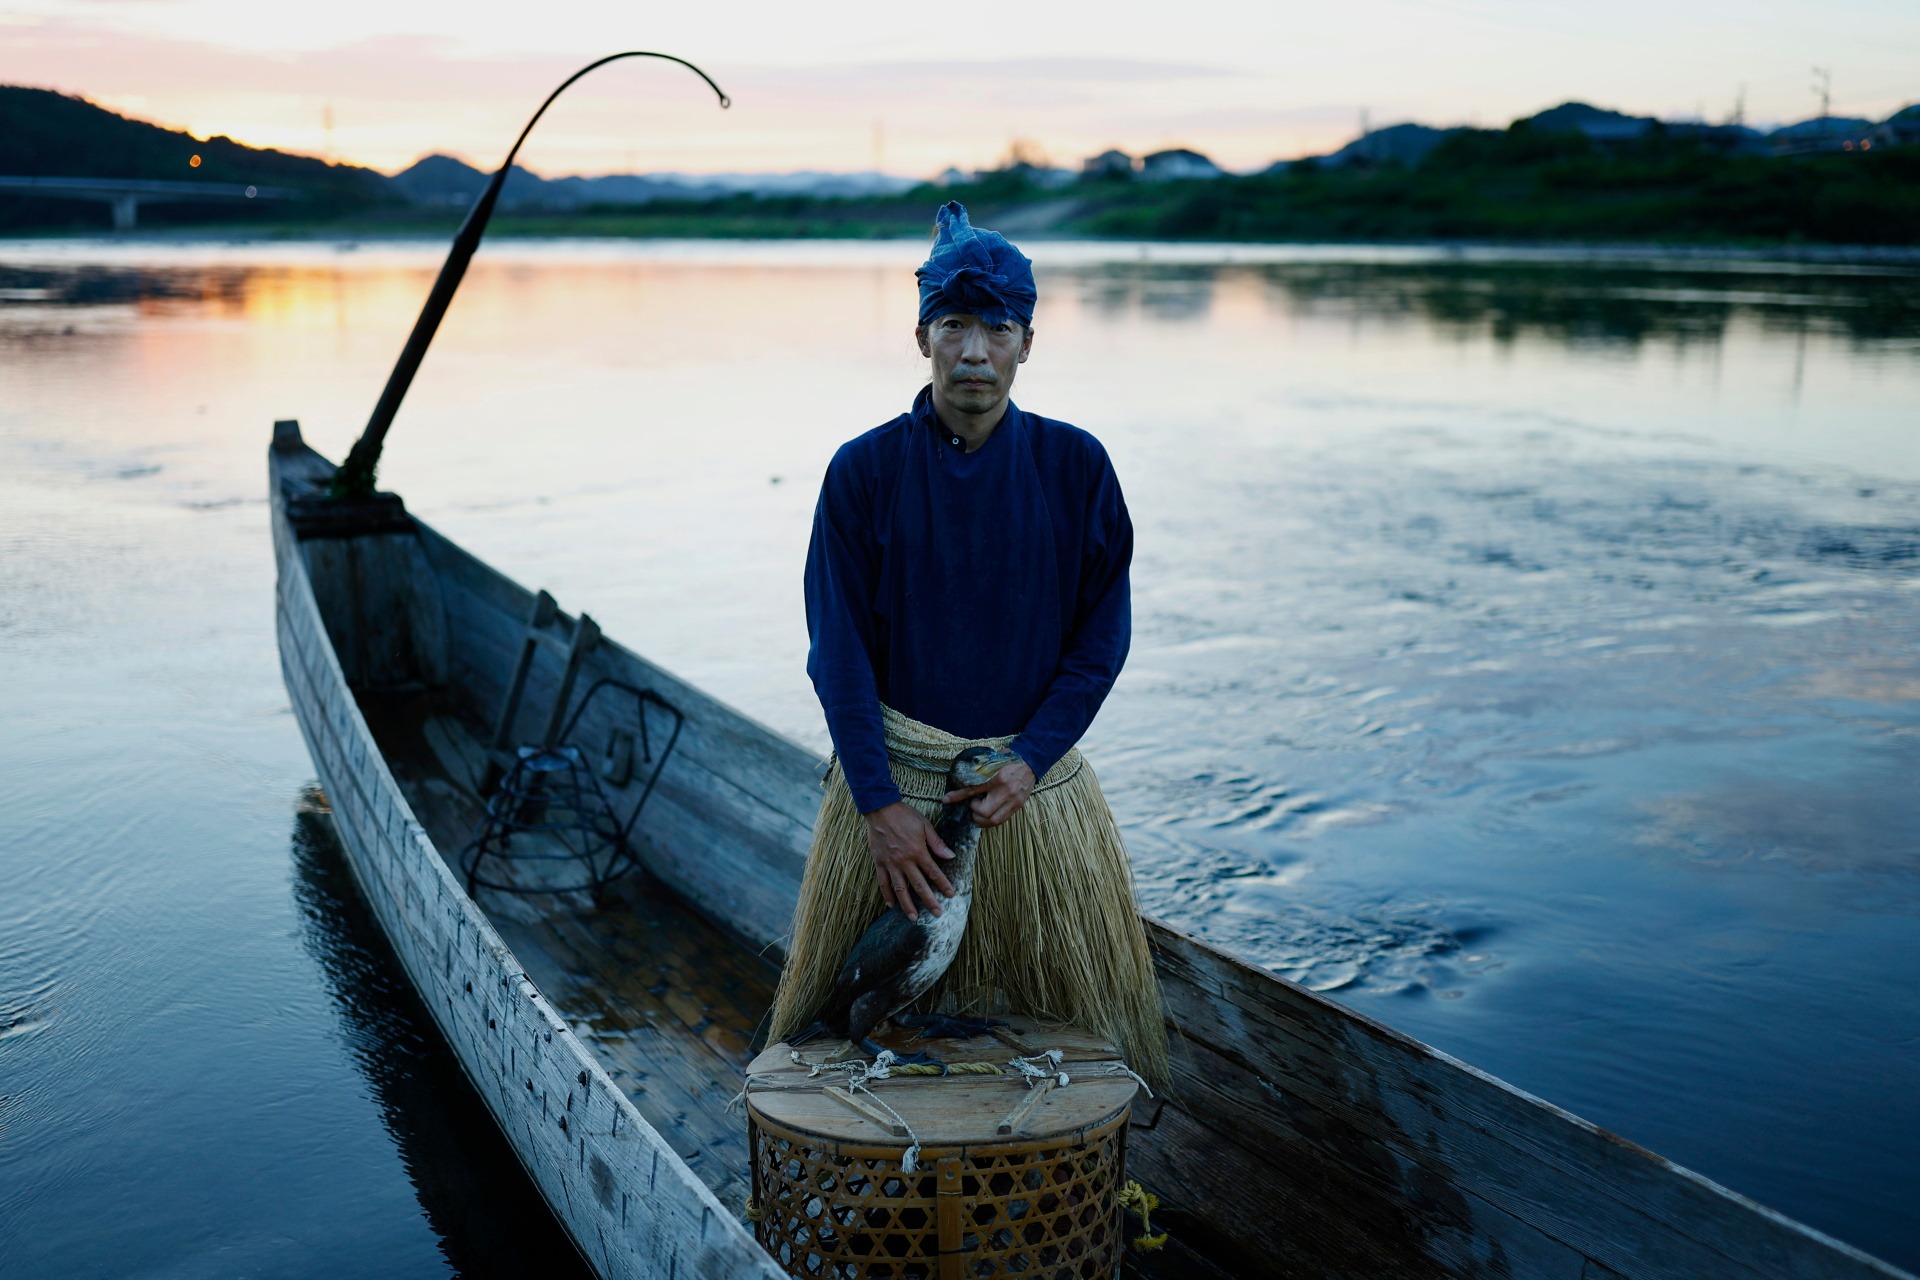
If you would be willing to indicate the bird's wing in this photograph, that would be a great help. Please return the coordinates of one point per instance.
(888, 946)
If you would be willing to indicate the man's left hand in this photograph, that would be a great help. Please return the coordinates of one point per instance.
(1000, 797)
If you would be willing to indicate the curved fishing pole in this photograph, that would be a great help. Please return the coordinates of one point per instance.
(354, 479)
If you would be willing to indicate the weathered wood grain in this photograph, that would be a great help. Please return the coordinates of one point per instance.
(1286, 1063)
(728, 825)
(664, 999)
(627, 1199)
(382, 609)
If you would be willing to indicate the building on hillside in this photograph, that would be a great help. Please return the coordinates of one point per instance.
(1111, 163)
(1178, 165)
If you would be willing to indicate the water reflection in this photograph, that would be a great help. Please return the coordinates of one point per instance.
(489, 1217)
(1565, 302)
(1571, 303)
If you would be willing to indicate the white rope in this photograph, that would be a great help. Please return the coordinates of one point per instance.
(858, 1072)
(1114, 1068)
(1045, 1065)
(1042, 1066)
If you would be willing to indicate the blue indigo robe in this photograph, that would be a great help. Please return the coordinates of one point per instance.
(983, 593)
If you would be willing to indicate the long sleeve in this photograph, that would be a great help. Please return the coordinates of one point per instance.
(841, 580)
(1097, 646)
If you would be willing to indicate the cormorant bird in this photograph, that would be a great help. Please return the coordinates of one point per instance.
(898, 960)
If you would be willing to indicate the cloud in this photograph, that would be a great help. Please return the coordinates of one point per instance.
(1244, 80)
(394, 98)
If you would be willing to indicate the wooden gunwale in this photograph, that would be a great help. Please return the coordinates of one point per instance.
(1302, 1138)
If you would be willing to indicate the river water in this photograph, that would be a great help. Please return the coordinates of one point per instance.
(1525, 655)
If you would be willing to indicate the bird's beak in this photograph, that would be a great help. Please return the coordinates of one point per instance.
(986, 766)
(995, 763)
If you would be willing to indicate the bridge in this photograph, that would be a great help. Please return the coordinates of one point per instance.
(126, 195)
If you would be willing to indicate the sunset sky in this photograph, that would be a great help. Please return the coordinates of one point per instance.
(916, 87)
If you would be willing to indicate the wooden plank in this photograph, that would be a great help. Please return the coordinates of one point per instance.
(1361, 1204)
(665, 1000)
(382, 609)
(865, 1110)
(628, 1201)
(729, 823)
(1018, 1116)
(1273, 1215)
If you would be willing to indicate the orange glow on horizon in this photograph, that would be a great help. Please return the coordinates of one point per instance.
(382, 85)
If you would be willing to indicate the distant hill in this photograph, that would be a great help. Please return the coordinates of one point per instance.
(443, 180)
(44, 134)
(440, 180)
(1587, 175)
(1412, 144)
(1406, 144)
(1596, 122)
(1573, 172)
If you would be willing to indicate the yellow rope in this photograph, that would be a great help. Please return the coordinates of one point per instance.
(753, 1209)
(899, 1069)
(1143, 1202)
(951, 1069)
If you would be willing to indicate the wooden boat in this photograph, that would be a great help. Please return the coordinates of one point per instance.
(607, 1037)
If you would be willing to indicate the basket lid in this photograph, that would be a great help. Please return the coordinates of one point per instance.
(956, 1110)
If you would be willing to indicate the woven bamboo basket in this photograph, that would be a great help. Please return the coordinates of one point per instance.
(1010, 1178)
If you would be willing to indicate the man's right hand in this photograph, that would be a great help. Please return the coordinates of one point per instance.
(905, 851)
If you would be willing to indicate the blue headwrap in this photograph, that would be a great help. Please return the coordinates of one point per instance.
(975, 273)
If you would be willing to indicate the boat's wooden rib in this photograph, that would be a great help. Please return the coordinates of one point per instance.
(1302, 1139)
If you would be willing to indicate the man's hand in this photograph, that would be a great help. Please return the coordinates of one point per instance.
(1000, 797)
(905, 848)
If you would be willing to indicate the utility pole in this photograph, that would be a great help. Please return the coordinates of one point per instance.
(1739, 116)
(1823, 85)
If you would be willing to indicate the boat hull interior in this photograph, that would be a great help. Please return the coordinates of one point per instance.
(1299, 1138)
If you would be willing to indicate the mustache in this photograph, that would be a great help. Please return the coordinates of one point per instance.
(986, 375)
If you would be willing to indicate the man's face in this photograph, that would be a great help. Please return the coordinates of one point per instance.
(974, 362)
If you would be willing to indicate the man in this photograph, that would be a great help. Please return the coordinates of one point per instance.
(967, 583)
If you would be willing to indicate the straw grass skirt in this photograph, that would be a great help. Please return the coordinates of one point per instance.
(1054, 932)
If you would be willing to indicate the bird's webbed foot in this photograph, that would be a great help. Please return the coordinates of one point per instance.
(941, 1026)
(902, 1059)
